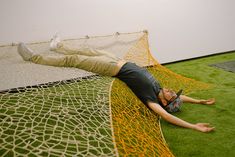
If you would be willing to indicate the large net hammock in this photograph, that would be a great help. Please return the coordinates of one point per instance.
(90, 115)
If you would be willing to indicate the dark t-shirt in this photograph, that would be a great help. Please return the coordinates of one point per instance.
(140, 81)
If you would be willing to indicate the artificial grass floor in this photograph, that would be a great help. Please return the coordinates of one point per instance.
(220, 143)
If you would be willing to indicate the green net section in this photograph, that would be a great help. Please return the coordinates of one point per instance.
(67, 118)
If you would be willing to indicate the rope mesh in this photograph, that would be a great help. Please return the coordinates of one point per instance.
(70, 118)
(89, 116)
(136, 129)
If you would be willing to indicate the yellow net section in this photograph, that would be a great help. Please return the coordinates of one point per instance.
(137, 130)
(86, 116)
(140, 54)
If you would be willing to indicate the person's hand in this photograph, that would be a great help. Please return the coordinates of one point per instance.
(208, 101)
(204, 127)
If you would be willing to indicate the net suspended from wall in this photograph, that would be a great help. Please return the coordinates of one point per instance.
(90, 115)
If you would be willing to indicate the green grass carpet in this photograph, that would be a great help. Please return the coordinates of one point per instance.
(220, 143)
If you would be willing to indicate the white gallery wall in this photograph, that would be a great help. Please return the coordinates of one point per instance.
(178, 29)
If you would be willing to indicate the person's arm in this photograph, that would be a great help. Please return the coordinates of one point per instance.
(203, 127)
(186, 99)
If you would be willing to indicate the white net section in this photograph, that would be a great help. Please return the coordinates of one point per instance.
(67, 118)
(18, 73)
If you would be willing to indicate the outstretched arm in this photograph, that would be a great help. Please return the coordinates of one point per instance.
(185, 98)
(203, 127)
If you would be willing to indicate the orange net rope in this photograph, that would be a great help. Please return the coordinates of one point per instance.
(136, 129)
(140, 54)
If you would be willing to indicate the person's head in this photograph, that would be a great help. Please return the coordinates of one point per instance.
(170, 100)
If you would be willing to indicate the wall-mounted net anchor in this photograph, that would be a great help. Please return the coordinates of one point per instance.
(117, 33)
(145, 31)
(14, 44)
